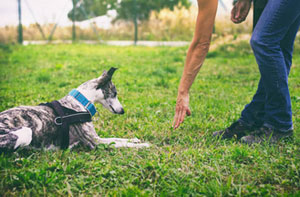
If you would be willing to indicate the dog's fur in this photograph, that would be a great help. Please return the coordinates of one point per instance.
(34, 125)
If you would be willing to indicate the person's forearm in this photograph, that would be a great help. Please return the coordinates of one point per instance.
(195, 57)
(200, 44)
(194, 60)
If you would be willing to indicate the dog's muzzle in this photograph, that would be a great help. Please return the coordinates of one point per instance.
(117, 112)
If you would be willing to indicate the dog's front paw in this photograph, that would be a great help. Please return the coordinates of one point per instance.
(134, 140)
(131, 145)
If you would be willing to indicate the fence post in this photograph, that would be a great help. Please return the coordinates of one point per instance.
(20, 28)
(135, 22)
(73, 20)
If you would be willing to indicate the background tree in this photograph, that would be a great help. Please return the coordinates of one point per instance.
(129, 10)
(87, 9)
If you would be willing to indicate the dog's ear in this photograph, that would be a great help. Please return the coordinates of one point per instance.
(111, 71)
(105, 77)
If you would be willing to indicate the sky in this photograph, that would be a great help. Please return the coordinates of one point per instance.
(54, 11)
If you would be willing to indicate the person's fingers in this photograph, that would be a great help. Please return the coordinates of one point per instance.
(244, 11)
(235, 21)
(182, 116)
(174, 121)
(238, 13)
(238, 21)
(188, 112)
(232, 18)
(177, 117)
(244, 15)
(233, 13)
(242, 20)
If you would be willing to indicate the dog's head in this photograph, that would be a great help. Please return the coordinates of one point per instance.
(103, 91)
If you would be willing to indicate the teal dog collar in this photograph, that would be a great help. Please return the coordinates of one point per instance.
(88, 105)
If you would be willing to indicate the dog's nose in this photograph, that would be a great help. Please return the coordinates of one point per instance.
(122, 111)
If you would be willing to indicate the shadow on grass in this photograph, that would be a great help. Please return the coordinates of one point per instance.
(5, 50)
(231, 50)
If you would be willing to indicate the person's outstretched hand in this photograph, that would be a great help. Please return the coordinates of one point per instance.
(240, 11)
(182, 109)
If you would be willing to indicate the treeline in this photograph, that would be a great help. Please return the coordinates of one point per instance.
(166, 25)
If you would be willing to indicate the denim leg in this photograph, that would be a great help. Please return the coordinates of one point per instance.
(270, 34)
(287, 44)
(254, 112)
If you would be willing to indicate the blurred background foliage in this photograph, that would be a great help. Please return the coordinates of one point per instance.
(167, 24)
(126, 9)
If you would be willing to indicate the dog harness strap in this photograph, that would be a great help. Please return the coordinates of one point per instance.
(89, 106)
(65, 117)
(64, 127)
(79, 117)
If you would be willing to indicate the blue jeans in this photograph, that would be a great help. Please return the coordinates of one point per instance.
(272, 43)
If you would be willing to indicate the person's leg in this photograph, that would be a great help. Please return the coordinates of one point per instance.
(287, 44)
(269, 132)
(278, 19)
(258, 8)
(253, 113)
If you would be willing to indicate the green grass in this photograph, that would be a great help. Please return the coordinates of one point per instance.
(185, 162)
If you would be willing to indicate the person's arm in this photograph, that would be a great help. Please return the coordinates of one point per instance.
(195, 56)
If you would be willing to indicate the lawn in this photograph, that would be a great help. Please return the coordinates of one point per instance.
(184, 162)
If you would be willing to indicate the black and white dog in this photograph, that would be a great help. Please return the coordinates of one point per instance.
(37, 125)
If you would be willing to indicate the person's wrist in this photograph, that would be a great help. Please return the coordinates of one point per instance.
(183, 92)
